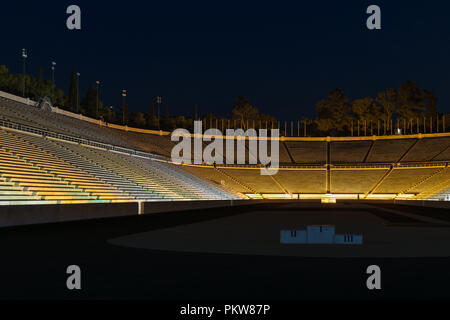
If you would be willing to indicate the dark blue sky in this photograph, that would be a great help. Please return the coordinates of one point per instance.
(284, 56)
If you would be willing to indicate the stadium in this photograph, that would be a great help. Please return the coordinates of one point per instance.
(63, 174)
(202, 157)
(52, 156)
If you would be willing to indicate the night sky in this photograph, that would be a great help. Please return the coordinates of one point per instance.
(283, 56)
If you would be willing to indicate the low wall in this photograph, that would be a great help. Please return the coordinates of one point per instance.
(425, 203)
(38, 214)
(110, 125)
(17, 99)
(156, 207)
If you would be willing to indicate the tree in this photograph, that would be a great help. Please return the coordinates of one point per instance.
(72, 97)
(4, 78)
(361, 108)
(40, 82)
(243, 110)
(366, 109)
(138, 119)
(151, 111)
(431, 101)
(411, 101)
(89, 103)
(333, 113)
(388, 101)
(125, 113)
(166, 112)
(151, 118)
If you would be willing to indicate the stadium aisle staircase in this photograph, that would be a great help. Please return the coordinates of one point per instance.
(111, 161)
(181, 184)
(190, 180)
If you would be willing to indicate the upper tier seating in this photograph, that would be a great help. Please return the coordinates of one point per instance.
(54, 122)
(427, 150)
(307, 152)
(349, 151)
(291, 152)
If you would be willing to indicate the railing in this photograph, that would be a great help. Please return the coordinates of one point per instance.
(362, 166)
(60, 136)
(438, 164)
(108, 147)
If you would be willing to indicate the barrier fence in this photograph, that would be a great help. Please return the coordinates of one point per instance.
(304, 128)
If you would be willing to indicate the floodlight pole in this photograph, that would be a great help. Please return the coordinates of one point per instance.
(158, 101)
(96, 111)
(24, 58)
(124, 95)
(53, 81)
(78, 92)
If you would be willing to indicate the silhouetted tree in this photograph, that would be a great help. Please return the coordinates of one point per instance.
(431, 101)
(40, 81)
(243, 110)
(138, 119)
(72, 97)
(334, 112)
(411, 101)
(388, 102)
(89, 103)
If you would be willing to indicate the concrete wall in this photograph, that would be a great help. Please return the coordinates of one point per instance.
(425, 203)
(17, 99)
(37, 214)
(155, 207)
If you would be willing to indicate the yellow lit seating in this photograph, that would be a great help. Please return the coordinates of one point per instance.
(11, 192)
(349, 151)
(79, 160)
(430, 149)
(49, 176)
(217, 178)
(175, 179)
(111, 161)
(22, 180)
(307, 152)
(404, 180)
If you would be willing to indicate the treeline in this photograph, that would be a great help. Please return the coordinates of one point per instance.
(38, 87)
(407, 104)
(335, 115)
(242, 114)
(35, 87)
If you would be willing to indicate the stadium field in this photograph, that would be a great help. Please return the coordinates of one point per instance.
(219, 254)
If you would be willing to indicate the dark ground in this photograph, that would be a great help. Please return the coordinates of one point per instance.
(34, 261)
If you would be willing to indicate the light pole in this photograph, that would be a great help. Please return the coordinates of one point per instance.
(24, 57)
(98, 84)
(78, 93)
(158, 101)
(124, 96)
(53, 81)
